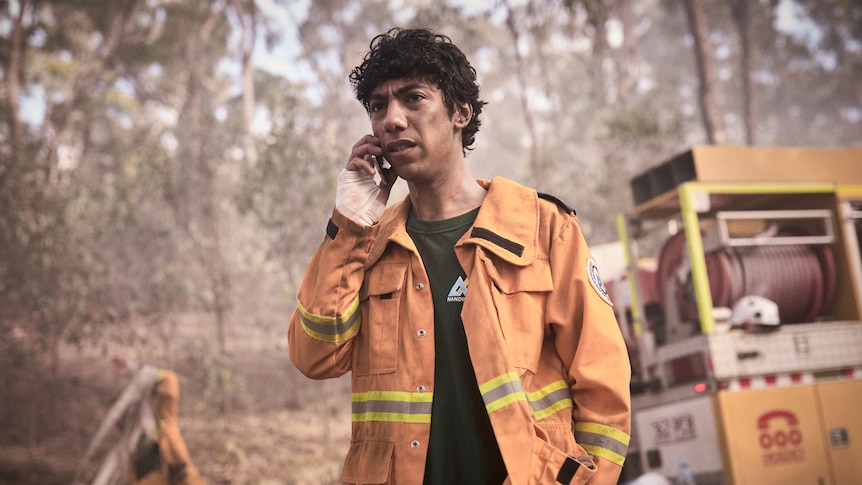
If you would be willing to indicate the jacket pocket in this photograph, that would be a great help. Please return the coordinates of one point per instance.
(378, 337)
(552, 465)
(519, 295)
(368, 461)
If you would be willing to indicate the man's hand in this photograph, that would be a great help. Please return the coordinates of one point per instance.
(358, 195)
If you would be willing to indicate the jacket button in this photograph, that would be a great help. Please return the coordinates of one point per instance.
(414, 444)
(420, 388)
(420, 286)
(421, 333)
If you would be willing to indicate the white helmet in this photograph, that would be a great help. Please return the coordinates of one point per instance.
(755, 310)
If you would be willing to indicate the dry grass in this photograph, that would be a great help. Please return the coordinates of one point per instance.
(280, 428)
(281, 447)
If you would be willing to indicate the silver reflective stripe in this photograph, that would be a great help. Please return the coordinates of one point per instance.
(401, 407)
(502, 391)
(551, 402)
(331, 329)
(604, 441)
(508, 389)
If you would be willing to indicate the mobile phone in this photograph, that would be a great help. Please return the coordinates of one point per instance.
(383, 167)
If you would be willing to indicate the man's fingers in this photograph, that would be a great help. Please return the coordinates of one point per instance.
(361, 155)
(360, 164)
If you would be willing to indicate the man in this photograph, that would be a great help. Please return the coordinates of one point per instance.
(482, 345)
(151, 449)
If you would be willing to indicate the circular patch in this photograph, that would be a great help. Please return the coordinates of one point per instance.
(596, 280)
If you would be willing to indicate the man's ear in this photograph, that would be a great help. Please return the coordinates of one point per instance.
(463, 114)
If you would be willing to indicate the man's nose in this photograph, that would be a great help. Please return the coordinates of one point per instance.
(395, 118)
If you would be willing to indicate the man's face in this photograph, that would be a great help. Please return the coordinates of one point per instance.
(418, 135)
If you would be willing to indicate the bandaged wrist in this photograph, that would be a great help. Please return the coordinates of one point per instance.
(356, 197)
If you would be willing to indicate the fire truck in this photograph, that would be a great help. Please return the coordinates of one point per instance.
(741, 307)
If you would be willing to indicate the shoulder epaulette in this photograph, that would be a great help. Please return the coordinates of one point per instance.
(557, 201)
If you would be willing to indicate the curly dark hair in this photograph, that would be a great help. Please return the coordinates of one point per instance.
(423, 55)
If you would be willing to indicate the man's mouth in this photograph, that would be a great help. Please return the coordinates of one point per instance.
(395, 147)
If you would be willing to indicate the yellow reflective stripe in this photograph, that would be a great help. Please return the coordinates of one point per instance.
(391, 418)
(391, 396)
(498, 381)
(554, 386)
(604, 441)
(507, 389)
(392, 406)
(550, 399)
(501, 391)
(604, 453)
(603, 430)
(331, 329)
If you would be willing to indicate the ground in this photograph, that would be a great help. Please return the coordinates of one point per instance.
(264, 424)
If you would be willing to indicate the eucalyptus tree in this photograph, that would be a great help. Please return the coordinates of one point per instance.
(706, 72)
(813, 59)
(119, 171)
(742, 20)
(67, 115)
(311, 121)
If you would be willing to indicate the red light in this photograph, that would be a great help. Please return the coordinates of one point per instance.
(700, 387)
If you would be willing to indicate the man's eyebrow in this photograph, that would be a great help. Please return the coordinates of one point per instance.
(400, 91)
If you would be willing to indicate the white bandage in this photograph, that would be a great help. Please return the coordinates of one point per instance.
(356, 197)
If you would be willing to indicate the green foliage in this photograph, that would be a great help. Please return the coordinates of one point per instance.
(636, 123)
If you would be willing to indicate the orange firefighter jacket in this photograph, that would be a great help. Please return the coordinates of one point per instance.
(174, 465)
(549, 357)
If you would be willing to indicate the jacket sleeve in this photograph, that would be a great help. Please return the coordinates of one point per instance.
(591, 346)
(327, 318)
(178, 462)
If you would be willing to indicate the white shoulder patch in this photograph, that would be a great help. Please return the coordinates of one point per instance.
(596, 280)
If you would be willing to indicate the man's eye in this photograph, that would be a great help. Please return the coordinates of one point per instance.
(415, 97)
(376, 107)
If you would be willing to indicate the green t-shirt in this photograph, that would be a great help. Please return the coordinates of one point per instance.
(462, 448)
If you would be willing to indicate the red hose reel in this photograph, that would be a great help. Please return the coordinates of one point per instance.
(801, 279)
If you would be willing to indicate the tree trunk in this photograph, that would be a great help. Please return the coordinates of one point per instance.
(742, 19)
(710, 112)
(534, 163)
(249, 33)
(629, 58)
(193, 196)
(12, 80)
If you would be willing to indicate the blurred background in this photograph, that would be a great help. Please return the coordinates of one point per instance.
(167, 168)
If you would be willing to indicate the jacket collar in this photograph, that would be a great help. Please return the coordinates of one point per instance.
(507, 224)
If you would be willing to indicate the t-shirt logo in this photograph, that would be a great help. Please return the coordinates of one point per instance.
(458, 291)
